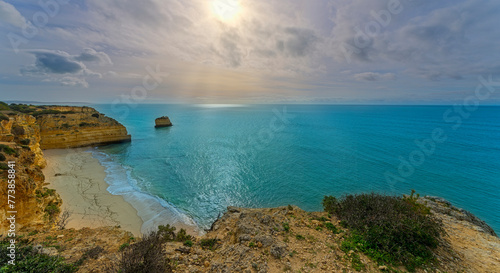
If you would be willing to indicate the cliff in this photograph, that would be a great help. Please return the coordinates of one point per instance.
(24, 132)
(79, 127)
(283, 239)
(35, 204)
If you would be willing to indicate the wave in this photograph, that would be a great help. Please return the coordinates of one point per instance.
(153, 210)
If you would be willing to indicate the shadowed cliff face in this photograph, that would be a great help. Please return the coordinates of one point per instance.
(79, 127)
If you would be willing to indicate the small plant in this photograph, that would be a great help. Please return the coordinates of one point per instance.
(123, 246)
(290, 207)
(25, 141)
(318, 228)
(51, 211)
(252, 244)
(182, 236)
(8, 150)
(188, 243)
(299, 237)
(95, 115)
(286, 226)
(208, 243)
(332, 228)
(2, 157)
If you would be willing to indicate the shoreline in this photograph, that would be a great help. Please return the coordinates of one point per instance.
(90, 189)
(79, 179)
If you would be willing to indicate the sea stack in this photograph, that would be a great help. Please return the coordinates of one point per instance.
(162, 122)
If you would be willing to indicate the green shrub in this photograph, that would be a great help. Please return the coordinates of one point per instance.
(51, 211)
(25, 141)
(8, 150)
(208, 243)
(95, 115)
(299, 237)
(188, 243)
(85, 124)
(286, 226)
(29, 261)
(4, 166)
(123, 246)
(3, 117)
(166, 233)
(2, 157)
(4, 106)
(389, 229)
(332, 228)
(182, 236)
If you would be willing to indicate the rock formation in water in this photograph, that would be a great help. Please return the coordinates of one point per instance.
(162, 122)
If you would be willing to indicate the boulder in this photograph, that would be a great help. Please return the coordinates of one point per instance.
(162, 122)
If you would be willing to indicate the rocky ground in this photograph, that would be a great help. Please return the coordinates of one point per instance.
(284, 239)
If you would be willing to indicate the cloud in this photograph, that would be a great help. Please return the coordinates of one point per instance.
(372, 76)
(62, 67)
(56, 62)
(69, 81)
(90, 55)
(10, 15)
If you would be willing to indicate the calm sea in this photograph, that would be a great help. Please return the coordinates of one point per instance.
(274, 155)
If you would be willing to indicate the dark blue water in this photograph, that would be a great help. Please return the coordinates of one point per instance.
(273, 155)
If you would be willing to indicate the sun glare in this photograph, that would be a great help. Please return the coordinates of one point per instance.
(226, 10)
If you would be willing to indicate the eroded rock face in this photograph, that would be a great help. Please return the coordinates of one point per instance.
(162, 122)
(33, 201)
(84, 126)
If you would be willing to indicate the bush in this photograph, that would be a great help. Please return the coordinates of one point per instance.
(4, 166)
(95, 115)
(8, 150)
(29, 261)
(208, 243)
(147, 255)
(3, 117)
(390, 229)
(188, 243)
(2, 157)
(4, 106)
(51, 211)
(25, 141)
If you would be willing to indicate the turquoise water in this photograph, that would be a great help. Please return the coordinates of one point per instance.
(274, 155)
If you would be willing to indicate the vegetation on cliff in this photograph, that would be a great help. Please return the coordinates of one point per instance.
(390, 229)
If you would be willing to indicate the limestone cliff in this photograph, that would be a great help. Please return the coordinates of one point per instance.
(20, 138)
(24, 131)
(79, 127)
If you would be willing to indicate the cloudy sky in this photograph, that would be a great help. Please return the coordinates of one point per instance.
(248, 51)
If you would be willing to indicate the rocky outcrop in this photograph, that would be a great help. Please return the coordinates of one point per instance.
(162, 122)
(22, 138)
(79, 127)
(35, 204)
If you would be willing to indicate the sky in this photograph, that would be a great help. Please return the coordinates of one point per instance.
(249, 51)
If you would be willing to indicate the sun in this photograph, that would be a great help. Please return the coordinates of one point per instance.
(226, 10)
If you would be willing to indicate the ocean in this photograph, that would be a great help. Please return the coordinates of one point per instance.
(274, 155)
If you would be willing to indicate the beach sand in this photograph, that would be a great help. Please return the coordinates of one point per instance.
(79, 179)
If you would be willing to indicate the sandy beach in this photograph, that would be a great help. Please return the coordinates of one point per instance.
(79, 179)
